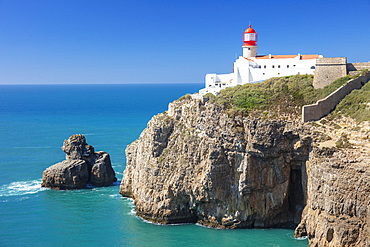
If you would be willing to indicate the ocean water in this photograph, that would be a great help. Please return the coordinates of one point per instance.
(34, 122)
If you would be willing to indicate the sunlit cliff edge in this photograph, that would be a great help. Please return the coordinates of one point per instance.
(226, 165)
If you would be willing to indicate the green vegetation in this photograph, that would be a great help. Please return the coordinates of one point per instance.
(283, 94)
(343, 142)
(185, 97)
(355, 105)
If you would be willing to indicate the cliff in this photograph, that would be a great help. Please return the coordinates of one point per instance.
(212, 163)
(338, 205)
(194, 163)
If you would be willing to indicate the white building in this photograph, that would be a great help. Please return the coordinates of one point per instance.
(254, 68)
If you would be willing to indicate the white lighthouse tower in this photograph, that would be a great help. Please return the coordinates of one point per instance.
(249, 39)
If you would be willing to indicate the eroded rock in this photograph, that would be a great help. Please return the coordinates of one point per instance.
(102, 173)
(338, 185)
(197, 164)
(68, 174)
(82, 166)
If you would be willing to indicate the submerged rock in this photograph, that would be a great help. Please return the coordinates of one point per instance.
(82, 166)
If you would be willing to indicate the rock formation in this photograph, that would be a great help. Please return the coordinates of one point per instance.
(82, 165)
(338, 205)
(194, 163)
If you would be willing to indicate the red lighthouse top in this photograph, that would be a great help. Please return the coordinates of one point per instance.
(250, 37)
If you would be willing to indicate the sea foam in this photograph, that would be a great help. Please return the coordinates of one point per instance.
(21, 188)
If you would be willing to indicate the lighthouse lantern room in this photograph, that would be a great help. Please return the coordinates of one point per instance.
(249, 46)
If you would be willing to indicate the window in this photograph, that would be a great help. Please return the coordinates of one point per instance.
(278, 73)
(264, 66)
(263, 73)
(294, 65)
(249, 49)
(278, 66)
(313, 67)
(287, 66)
(273, 66)
(259, 66)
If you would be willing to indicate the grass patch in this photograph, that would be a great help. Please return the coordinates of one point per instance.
(343, 142)
(283, 94)
(185, 97)
(355, 105)
(323, 121)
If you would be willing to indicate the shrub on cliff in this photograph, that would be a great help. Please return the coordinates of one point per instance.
(185, 97)
(284, 94)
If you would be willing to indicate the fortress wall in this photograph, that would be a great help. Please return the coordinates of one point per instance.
(357, 66)
(328, 69)
(324, 106)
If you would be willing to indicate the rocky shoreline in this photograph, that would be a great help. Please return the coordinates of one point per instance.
(196, 163)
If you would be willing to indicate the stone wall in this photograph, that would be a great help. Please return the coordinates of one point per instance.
(325, 106)
(357, 66)
(328, 69)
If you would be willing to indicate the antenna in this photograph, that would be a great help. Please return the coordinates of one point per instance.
(249, 23)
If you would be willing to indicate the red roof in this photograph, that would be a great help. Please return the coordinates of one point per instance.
(248, 59)
(303, 57)
(249, 30)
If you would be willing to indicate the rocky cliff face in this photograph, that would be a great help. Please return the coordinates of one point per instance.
(194, 163)
(338, 205)
(82, 165)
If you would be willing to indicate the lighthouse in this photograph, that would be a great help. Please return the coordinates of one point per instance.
(251, 67)
(249, 46)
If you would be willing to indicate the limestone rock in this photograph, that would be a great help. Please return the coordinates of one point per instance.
(338, 203)
(71, 174)
(82, 166)
(197, 164)
(338, 186)
(76, 147)
(102, 173)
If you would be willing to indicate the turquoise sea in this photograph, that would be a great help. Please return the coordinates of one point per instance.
(34, 122)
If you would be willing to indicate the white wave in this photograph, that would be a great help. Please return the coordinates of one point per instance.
(301, 238)
(132, 212)
(149, 222)
(209, 227)
(131, 205)
(159, 224)
(116, 196)
(129, 199)
(21, 188)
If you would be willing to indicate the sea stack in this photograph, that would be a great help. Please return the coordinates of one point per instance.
(82, 165)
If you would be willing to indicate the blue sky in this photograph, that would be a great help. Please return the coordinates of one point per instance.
(134, 41)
